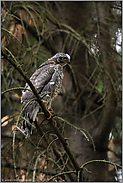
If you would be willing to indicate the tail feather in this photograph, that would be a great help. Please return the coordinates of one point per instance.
(27, 128)
(29, 118)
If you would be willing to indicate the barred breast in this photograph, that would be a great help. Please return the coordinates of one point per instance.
(57, 87)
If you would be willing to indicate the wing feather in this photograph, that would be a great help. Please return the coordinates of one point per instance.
(40, 79)
(44, 79)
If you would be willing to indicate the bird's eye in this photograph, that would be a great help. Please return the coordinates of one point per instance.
(65, 58)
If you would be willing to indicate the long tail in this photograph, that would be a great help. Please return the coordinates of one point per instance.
(30, 115)
(26, 127)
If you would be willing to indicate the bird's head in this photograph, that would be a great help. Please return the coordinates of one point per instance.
(61, 58)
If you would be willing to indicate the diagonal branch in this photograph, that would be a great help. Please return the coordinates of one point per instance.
(46, 112)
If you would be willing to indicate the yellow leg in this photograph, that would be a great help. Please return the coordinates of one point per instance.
(50, 114)
(55, 124)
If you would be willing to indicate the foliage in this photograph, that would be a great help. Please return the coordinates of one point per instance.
(88, 108)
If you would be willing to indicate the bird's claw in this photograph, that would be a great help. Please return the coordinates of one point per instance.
(50, 112)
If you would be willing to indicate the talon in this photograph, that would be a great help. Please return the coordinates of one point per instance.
(50, 114)
(55, 123)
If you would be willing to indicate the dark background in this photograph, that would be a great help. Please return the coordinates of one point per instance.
(88, 107)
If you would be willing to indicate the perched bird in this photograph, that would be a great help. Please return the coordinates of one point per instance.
(47, 80)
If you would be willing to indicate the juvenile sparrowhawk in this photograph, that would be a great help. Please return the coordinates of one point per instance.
(47, 80)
